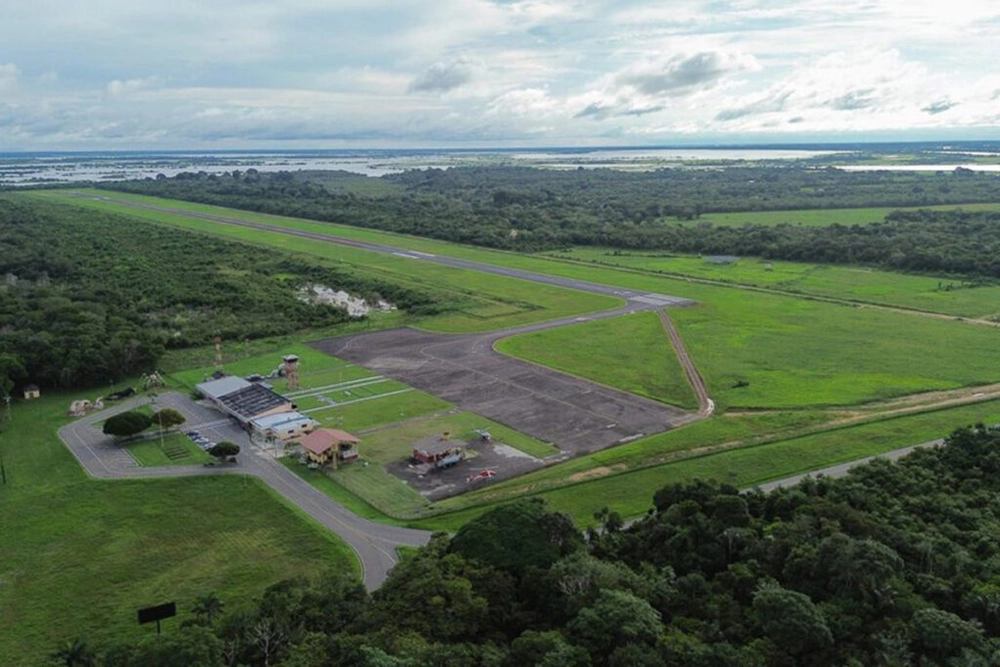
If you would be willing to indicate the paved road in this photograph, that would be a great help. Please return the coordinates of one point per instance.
(374, 543)
(841, 469)
(640, 299)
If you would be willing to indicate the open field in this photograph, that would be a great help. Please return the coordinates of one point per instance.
(823, 217)
(799, 353)
(80, 556)
(631, 353)
(944, 295)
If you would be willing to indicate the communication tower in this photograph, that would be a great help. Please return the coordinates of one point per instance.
(218, 353)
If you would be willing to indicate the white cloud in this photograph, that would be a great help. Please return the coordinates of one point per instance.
(9, 74)
(551, 71)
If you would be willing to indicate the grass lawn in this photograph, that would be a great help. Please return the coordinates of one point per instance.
(175, 450)
(823, 217)
(944, 295)
(631, 353)
(380, 410)
(799, 353)
(315, 368)
(80, 556)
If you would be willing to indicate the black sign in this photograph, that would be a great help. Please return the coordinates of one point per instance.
(160, 611)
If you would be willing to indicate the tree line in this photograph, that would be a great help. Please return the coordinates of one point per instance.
(520, 208)
(895, 564)
(88, 298)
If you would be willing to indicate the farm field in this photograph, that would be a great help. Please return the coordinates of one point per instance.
(80, 556)
(823, 217)
(631, 353)
(944, 295)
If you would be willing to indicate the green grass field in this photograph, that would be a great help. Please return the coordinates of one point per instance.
(823, 217)
(799, 353)
(948, 296)
(80, 556)
(631, 353)
(176, 449)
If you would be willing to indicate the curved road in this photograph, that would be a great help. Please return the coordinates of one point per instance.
(374, 543)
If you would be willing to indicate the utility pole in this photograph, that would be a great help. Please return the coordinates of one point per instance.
(4, 426)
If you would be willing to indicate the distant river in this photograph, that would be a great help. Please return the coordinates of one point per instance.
(37, 168)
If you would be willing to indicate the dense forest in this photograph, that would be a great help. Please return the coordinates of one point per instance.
(896, 564)
(527, 209)
(89, 298)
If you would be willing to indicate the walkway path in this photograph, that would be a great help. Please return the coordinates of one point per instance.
(842, 469)
(374, 543)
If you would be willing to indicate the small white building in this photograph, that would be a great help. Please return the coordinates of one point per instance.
(32, 391)
(284, 426)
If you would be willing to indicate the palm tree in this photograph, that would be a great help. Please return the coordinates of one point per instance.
(75, 654)
(208, 607)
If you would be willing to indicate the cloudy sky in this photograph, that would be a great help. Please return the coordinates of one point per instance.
(332, 73)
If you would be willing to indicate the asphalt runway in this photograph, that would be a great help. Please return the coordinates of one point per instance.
(638, 298)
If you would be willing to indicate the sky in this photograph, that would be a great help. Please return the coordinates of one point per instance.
(134, 74)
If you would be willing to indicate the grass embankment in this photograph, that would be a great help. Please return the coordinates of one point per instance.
(80, 556)
(944, 295)
(631, 353)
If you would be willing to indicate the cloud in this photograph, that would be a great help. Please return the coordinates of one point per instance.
(119, 88)
(855, 99)
(443, 77)
(938, 107)
(9, 74)
(681, 75)
(769, 104)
